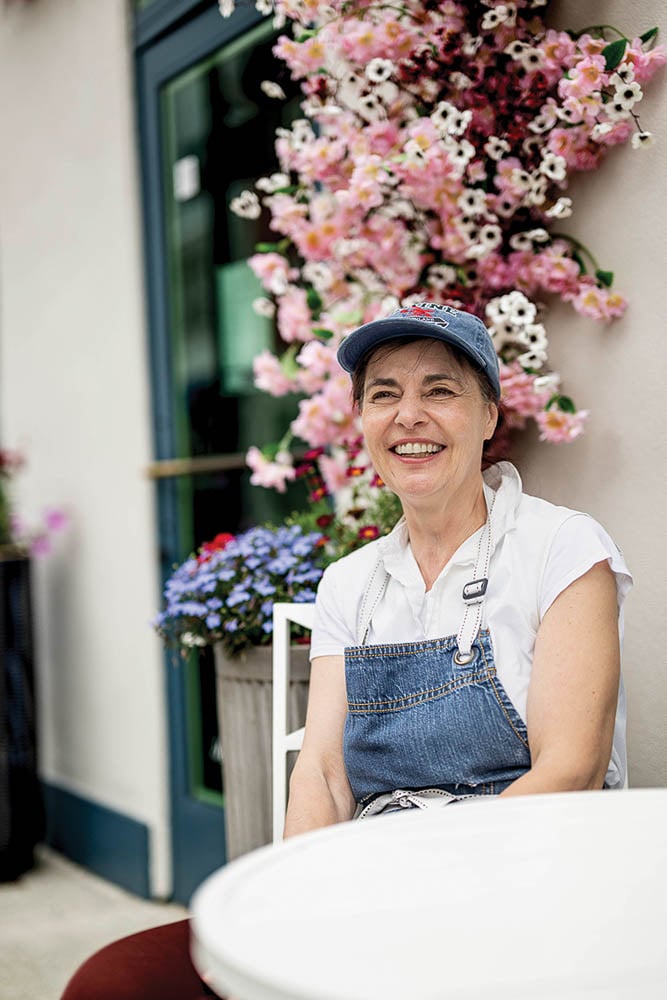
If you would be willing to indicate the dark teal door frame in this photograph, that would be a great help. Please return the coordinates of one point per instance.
(171, 36)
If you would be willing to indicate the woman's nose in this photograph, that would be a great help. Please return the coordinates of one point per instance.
(410, 411)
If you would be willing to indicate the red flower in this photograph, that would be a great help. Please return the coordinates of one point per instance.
(369, 533)
(354, 471)
(324, 520)
(216, 545)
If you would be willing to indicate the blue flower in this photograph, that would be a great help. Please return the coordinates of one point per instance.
(213, 621)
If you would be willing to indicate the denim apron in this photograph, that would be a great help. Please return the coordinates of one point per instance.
(430, 715)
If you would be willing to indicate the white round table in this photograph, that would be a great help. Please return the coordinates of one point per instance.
(549, 897)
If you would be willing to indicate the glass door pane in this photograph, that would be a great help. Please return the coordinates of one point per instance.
(218, 131)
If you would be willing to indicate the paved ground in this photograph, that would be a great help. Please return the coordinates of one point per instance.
(57, 915)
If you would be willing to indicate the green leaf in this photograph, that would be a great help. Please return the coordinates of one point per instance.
(648, 35)
(605, 278)
(614, 52)
(314, 301)
(288, 361)
(322, 333)
(289, 189)
(579, 261)
(563, 403)
(306, 34)
(270, 247)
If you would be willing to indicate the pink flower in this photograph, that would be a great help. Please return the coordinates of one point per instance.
(585, 77)
(519, 396)
(557, 426)
(275, 475)
(645, 63)
(269, 375)
(597, 302)
(294, 318)
(55, 519)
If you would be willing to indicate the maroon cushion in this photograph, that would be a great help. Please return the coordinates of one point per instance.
(151, 965)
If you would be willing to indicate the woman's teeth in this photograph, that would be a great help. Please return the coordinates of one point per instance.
(417, 448)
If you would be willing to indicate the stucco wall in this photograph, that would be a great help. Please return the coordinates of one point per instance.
(616, 471)
(74, 396)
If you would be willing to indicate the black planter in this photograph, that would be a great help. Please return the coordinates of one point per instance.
(21, 805)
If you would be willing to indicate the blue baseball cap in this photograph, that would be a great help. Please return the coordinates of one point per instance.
(426, 319)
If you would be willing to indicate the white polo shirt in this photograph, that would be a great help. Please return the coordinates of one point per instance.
(538, 549)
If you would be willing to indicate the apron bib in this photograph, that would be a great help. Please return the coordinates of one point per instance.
(431, 714)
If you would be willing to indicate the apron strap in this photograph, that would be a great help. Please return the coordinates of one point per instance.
(474, 595)
(374, 594)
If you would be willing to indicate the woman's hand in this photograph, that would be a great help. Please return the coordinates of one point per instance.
(320, 793)
(574, 688)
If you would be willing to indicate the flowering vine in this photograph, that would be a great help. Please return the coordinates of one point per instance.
(432, 162)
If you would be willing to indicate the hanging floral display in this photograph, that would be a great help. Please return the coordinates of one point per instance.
(431, 162)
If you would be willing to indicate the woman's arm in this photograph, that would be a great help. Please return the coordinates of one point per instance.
(574, 688)
(319, 792)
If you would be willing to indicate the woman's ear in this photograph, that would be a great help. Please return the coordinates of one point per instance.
(492, 421)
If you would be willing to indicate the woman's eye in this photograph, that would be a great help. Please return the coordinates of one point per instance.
(440, 390)
(382, 395)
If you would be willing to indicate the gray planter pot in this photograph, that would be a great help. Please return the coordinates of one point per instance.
(244, 698)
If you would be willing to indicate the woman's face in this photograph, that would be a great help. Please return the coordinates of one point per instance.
(424, 420)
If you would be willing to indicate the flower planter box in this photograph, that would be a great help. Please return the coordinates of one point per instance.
(244, 699)
(21, 806)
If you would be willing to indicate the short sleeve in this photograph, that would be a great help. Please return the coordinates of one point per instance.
(578, 544)
(331, 632)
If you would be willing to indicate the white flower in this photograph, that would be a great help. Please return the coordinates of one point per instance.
(264, 307)
(538, 190)
(226, 7)
(318, 274)
(534, 336)
(625, 73)
(600, 130)
(521, 178)
(449, 120)
(501, 333)
(561, 209)
(472, 201)
(525, 240)
(616, 111)
(515, 48)
(627, 96)
(461, 153)
(272, 89)
(441, 276)
(370, 108)
(532, 359)
(379, 70)
(190, 639)
(515, 307)
(495, 148)
(264, 7)
(460, 81)
(272, 183)
(531, 58)
(499, 15)
(544, 383)
(642, 140)
(246, 205)
(544, 121)
(553, 166)
(470, 44)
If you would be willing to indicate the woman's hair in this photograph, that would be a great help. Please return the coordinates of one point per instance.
(495, 448)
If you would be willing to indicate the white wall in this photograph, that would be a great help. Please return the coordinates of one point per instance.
(617, 470)
(74, 396)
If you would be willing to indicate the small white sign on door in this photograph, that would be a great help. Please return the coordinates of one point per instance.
(186, 178)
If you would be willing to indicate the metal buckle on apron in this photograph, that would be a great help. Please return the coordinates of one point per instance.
(474, 594)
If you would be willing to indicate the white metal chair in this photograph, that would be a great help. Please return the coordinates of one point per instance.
(282, 740)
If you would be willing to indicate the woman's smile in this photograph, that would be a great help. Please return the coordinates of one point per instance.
(424, 420)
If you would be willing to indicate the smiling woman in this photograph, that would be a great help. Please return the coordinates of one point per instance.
(475, 650)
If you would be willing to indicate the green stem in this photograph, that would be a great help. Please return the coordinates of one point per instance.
(599, 28)
(578, 245)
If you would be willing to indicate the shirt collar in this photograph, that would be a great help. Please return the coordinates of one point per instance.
(501, 479)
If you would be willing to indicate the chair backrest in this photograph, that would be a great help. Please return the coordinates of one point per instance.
(282, 740)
